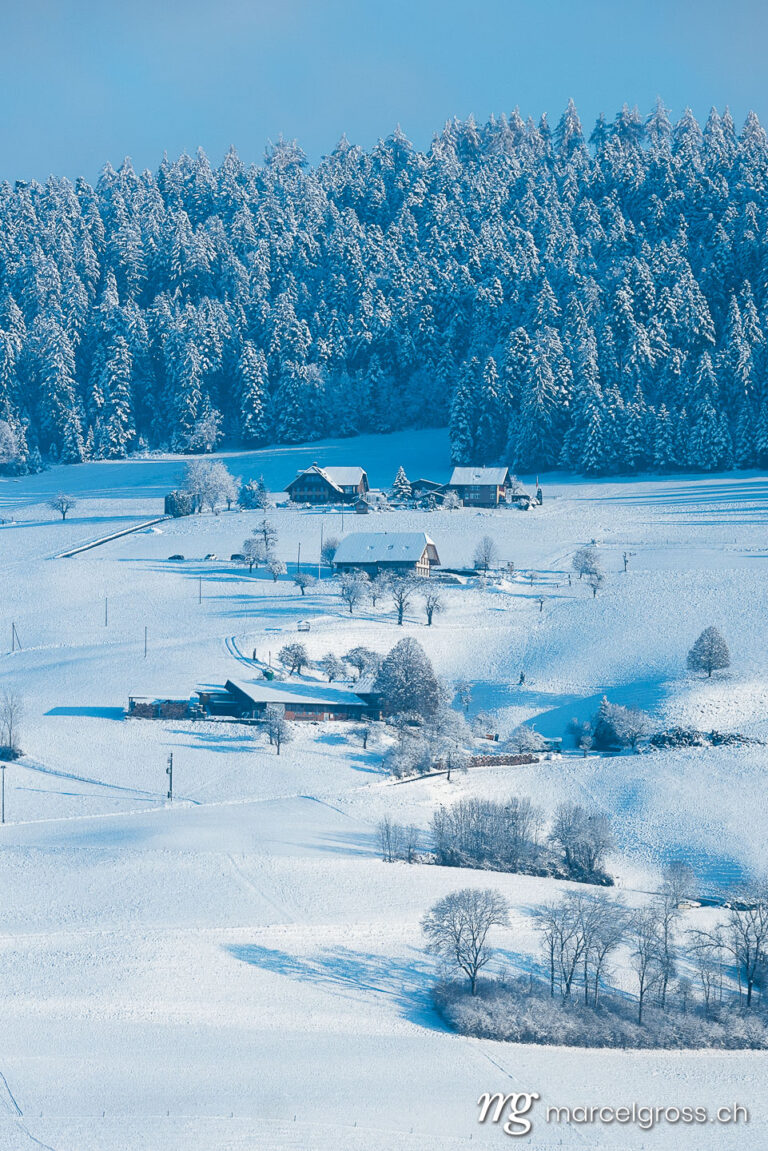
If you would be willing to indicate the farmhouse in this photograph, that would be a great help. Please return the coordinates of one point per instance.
(480, 487)
(331, 485)
(399, 553)
(316, 701)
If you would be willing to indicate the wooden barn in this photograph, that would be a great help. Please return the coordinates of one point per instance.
(302, 701)
(481, 487)
(331, 485)
(399, 553)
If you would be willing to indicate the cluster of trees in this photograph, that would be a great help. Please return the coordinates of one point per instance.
(509, 836)
(556, 300)
(710, 975)
(209, 484)
(357, 587)
(586, 562)
(362, 660)
(261, 548)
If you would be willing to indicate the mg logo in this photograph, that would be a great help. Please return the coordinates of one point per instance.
(508, 1110)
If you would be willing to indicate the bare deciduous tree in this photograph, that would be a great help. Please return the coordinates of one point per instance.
(277, 726)
(363, 660)
(433, 602)
(646, 954)
(352, 589)
(584, 837)
(378, 587)
(303, 580)
(457, 929)
(584, 561)
(276, 568)
(11, 714)
(401, 590)
(332, 666)
(62, 504)
(293, 656)
(329, 549)
(595, 579)
(267, 532)
(254, 552)
(486, 555)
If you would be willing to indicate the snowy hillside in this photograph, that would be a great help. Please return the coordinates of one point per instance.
(239, 969)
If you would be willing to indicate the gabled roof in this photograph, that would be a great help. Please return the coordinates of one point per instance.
(337, 477)
(382, 547)
(292, 694)
(480, 476)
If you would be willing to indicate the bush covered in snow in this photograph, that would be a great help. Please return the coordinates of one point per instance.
(522, 1011)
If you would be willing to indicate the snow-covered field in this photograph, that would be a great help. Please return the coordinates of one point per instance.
(240, 970)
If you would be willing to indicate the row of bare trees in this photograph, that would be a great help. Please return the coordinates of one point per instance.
(509, 836)
(581, 934)
(356, 587)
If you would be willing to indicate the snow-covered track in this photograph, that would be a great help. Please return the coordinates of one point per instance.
(65, 555)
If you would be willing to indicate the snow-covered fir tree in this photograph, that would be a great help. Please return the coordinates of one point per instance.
(397, 288)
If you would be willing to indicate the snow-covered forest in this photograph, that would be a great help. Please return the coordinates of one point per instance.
(599, 304)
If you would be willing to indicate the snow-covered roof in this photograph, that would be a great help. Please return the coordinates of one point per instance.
(290, 694)
(382, 547)
(344, 477)
(336, 476)
(480, 476)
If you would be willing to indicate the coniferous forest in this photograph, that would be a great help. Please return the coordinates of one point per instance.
(595, 302)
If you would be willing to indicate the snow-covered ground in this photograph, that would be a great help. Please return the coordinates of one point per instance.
(240, 970)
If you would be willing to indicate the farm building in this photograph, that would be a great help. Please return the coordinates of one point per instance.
(149, 707)
(301, 700)
(421, 488)
(332, 485)
(400, 553)
(481, 487)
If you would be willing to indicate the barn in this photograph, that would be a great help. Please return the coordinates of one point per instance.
(331, 485)
(316, 701)
(398, 553)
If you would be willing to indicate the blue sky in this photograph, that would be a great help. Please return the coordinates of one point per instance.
(85, 81)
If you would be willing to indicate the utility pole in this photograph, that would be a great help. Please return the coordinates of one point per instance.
(298, 561)
(169, 773)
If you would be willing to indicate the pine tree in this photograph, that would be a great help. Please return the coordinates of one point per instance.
(664, 449)
(252, 371)
(401, 488)
(119, 430)
(491, 426)
(463, 420)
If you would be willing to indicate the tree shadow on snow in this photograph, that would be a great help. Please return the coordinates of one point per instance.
(347, 973)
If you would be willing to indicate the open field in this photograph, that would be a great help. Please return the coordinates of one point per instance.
(240, 970)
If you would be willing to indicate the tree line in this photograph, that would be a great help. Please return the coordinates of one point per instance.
(596, 302)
